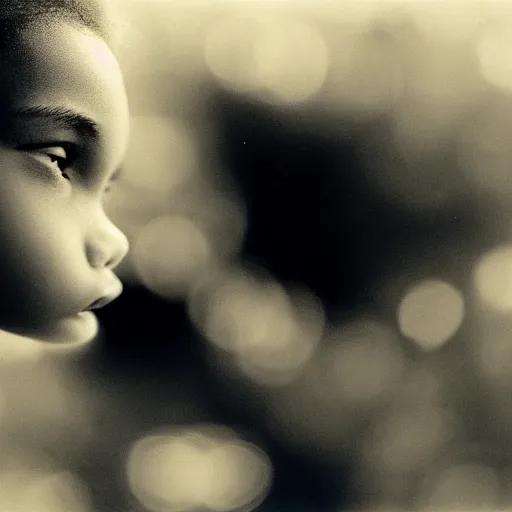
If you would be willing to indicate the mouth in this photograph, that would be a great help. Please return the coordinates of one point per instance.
(81, 326)
(107, 297)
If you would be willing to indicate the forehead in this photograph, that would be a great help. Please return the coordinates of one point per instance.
(61, 65)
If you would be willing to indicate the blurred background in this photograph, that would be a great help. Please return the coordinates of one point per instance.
(317, 312)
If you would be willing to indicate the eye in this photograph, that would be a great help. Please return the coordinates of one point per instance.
(55, 156)
(58, 156)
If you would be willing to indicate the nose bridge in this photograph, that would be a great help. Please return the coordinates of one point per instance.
(106, 244)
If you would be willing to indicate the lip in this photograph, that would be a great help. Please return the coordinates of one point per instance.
(109, 295)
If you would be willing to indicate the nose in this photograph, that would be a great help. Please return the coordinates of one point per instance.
(106, 244)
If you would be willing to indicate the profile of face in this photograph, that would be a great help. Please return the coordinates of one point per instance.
(63, 135)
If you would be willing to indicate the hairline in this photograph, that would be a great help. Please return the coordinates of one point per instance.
(15, 22)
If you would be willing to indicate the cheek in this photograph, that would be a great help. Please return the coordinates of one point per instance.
(40, 249)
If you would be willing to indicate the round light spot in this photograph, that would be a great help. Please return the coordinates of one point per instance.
(431, 313)
(231, 309)
(230, 51)
(493, 278)
(244, 476)
(198, 469)
(285, 58)
(280, 357)
(292, 61)
(271, 333)
(170, 254)
(168, 473)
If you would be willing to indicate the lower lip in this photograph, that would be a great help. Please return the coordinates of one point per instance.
(79, 328)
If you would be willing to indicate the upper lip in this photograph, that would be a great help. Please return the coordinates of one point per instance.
(107, 296)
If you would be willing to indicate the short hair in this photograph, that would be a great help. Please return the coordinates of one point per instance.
(18, 15)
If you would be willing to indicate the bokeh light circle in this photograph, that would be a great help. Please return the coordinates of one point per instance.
(170, 254)
(286, 58)
(430, 313)
(208, 469)
(245, 475)
(493, 278)
(292, 60)
(270, 332)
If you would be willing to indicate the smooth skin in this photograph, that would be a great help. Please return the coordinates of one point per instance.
(58, 248)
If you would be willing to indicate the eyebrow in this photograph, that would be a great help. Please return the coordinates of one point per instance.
(83, 126)
(69, 119)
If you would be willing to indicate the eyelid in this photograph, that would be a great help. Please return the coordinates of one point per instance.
(68, 146)
(70, 149)
(57, 151)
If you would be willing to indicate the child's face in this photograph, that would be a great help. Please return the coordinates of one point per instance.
(57, 246)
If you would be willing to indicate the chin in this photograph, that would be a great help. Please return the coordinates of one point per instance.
(75, 329)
